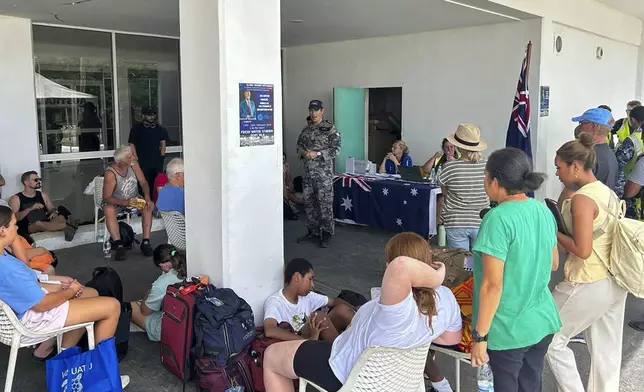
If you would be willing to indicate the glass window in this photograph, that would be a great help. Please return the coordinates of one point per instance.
(148, 75)
(65, 182)
(73, 90)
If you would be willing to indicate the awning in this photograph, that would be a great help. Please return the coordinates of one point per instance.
(46, 88)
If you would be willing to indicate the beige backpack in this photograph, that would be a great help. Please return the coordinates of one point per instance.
(626, 263)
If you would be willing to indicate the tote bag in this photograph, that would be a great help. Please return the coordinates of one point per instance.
(95, 370)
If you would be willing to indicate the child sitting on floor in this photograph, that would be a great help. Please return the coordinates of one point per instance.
(147, 312)
(297, 305)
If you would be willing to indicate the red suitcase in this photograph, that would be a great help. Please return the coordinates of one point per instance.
(177, 331)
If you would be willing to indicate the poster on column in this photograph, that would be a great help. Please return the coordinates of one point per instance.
(256, 121)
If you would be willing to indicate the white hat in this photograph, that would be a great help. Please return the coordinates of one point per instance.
(468, 137)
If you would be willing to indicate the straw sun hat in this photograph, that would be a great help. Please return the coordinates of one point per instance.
(468, 137)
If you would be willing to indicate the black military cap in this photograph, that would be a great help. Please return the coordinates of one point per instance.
(316, 105)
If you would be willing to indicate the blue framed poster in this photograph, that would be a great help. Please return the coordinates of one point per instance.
(256, 120)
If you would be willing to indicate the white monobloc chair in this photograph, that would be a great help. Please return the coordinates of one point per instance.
(12, 331)
(98, 204)
(458, 358)
(175, 227)
(384, 369)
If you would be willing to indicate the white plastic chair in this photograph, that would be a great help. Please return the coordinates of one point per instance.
(384, 369)
(458, 358)
(175, 227)
(98, 204)
(12, 331)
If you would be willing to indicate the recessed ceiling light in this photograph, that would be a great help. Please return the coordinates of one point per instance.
(296, 21)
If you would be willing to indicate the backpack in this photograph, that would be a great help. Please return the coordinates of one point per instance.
(224, 325)
(108, 283)
(353, 298)
(626, 263)
(127, 235)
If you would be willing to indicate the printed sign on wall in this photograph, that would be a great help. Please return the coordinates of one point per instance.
(256, 120)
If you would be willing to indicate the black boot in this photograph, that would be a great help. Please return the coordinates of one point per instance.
(310, 236)
(325, 240)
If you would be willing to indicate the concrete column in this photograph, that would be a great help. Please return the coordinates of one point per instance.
(18, 121)
(234, 220)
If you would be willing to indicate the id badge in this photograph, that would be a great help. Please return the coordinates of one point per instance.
(237, 388)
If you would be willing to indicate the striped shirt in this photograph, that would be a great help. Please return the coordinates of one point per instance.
(465, 196)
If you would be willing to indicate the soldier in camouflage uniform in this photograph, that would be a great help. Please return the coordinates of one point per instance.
(318, 145)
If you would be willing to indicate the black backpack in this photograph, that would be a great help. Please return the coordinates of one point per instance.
(224, 325)
(127, 235)
(108, 283)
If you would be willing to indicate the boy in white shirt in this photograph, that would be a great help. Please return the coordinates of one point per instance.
(297, 305)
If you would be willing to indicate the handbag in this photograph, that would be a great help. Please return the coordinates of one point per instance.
(95, 370)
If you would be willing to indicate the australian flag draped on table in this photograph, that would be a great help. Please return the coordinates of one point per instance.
(390, 205)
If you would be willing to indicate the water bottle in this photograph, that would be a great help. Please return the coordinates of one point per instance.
(484, 379)
(107, 247)
(442, 238)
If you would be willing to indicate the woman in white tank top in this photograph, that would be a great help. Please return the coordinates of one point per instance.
(412, 310)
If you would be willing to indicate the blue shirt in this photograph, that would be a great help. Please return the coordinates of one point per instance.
(19, 287)
(390, 166)
(171, 199)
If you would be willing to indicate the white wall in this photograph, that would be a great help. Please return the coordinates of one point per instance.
(234, 229)
(578, 81)
(588, 15)
(447, 77)
(18, 123)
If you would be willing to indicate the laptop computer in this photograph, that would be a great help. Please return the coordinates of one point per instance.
(411, 173)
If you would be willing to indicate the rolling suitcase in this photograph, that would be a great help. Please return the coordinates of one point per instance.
(177, 331)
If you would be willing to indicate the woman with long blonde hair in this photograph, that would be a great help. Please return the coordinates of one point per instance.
(413, 310)
(398, 156)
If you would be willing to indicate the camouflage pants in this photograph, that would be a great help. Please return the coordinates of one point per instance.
(318, 202)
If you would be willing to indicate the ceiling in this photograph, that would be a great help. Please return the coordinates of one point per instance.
(322, 21)
(629, 7)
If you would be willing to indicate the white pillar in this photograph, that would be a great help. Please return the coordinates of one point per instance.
(234, 220)
(18, 121)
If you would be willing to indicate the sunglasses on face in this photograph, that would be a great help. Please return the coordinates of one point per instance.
(36, 179)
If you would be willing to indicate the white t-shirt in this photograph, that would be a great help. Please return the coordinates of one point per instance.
(396, 326)
(279, 308)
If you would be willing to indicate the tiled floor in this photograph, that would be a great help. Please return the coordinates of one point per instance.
(354, 261)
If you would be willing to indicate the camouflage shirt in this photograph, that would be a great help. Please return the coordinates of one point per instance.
(322, 138)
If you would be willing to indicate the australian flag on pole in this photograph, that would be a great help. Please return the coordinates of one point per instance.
(519, 129)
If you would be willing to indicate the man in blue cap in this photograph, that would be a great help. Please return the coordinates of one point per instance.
(597, 123)
(318, 145)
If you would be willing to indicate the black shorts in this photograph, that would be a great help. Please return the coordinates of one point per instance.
(312, 363)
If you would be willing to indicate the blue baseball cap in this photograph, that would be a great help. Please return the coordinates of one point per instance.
(595, 115)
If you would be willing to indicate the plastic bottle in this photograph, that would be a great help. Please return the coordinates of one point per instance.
(107, 247)
(485, 379)
(442, 240)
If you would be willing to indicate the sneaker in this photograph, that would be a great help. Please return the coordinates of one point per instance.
(120, 253)
(308, 237)
(70, 232)
(578, 339)
(325, 240)
(125, 381)
(146, 248)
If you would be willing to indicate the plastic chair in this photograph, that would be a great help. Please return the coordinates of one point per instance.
(175, 227)
(12, 331)
(384, 369)
(458, 358)
(98, 204)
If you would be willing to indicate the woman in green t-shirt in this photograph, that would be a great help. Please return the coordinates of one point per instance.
(514, 314)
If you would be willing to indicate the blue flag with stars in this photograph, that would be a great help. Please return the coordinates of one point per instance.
(394, 206)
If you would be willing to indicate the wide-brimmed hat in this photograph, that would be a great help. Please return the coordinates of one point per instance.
(468, 137)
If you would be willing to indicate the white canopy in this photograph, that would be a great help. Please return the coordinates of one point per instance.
(46, 88)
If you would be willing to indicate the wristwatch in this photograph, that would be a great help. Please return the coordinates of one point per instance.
(476, 337)
(319, 153)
